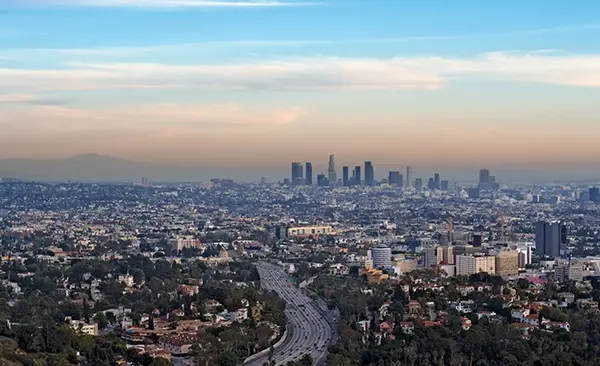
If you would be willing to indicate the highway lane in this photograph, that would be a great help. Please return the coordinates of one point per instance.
(308, 330)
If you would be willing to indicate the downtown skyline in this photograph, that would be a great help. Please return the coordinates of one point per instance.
(236, 84)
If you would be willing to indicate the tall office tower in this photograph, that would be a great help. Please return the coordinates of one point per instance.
(331, 174)
(357, 176)
(436, 181)
(369, 174)
(400, 180)
(485, 181)
(418, 184)
(382, 257)
(484, 176)
(322, 180)
(431, 183)
(309, 174)
(549, 236)
(408, 177)
(394, 178)
(297, 174)
(594, 194)
(345, 181)
(444, 185)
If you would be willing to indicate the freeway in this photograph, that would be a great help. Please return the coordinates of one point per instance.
(309, 332)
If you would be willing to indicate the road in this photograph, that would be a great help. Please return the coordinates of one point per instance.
(308, 330)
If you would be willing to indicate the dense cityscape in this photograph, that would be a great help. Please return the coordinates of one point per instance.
(346, 271)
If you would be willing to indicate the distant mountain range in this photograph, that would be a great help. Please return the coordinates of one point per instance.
(97, 168)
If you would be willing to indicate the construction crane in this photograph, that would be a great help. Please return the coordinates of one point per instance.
(450, 228)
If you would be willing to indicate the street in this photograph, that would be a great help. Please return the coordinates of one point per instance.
(308, 330)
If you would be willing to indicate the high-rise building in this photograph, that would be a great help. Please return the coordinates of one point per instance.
(436, 181)
(572, 271)
(400, 181)
(444, 185)
(345, 178)
(594, 194)
(430, 257)
(418, 184)
(477, 240)
(474, 192)
(369, 174)
(394, 178)
(382, 257)
(408, 177)
(484, 176)
(549, 236)
(468, 264)
(445, 254)
(297, 174)
(331, 173)
(309, 174)
(507, 263)
(357, 176)
(322, 180)
(431, 183)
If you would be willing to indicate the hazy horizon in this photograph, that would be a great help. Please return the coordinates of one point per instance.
(237, 84)
(95, 167)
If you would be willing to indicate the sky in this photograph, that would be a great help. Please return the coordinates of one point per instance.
(243, 83)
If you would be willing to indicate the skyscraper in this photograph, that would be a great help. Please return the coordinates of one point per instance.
(394, 178)
(322, 180)
(357, 176)
(444, 185)
(345, 172)
(309, 174)
(369, 174)
(594, 194)
(436, 181)
(418, 184)
(549, 236)
(408, 177)
(297, 174)
(431, 183)
(484, 179)
(484, 176)
(331, 174)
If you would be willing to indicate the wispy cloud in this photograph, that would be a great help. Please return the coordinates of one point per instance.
(159, 49)
(158, 118)
(29, 99)
(167, 3)
(316, 73)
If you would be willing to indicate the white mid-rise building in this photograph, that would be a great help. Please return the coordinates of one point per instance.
(182, 242)
(470, 264)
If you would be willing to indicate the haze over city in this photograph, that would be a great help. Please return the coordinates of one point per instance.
(246, 87)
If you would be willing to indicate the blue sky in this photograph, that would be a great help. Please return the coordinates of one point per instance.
(148, 79)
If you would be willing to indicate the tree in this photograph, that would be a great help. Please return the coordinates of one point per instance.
(159, 361)
(139, 276)
(306, 360)
(227, 358)
(101, 319)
